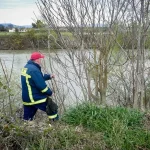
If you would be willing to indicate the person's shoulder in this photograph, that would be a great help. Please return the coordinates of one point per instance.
(31, 68)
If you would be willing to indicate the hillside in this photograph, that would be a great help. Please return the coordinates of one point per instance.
(10, 25)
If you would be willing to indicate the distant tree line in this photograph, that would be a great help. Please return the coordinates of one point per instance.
(3, 29)
(38, 24)
(31, 39)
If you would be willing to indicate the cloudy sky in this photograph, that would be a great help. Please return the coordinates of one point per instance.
(18, 12)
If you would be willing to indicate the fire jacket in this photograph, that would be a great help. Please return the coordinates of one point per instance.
(34, 88)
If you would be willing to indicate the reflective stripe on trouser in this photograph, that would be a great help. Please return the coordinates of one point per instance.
(51, 109)
(52, 116)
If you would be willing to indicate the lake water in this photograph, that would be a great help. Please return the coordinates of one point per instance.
(65, 86)
(18, 57)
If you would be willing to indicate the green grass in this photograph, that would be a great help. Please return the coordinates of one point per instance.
(2, 34)
(69, 34)
(86, 127)
(122, 127)
(60, 137)
(5, 33)
(21, 33)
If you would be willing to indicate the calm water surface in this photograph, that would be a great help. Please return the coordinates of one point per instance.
(18, 58)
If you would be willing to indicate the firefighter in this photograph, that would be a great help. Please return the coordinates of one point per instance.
(35, 92)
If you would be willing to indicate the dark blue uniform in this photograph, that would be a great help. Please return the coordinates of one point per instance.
(34, 90)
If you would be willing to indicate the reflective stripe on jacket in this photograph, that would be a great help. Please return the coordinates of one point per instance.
(34, 88)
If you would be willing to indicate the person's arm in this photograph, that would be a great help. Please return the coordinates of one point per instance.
(48, 76)
(40, 83)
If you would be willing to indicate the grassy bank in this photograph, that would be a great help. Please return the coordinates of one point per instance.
(122, 128)
(84, 127)
(30, 40)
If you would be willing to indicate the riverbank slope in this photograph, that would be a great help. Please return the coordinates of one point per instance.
(83, 127)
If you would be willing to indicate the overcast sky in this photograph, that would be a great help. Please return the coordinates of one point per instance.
(18, 12)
